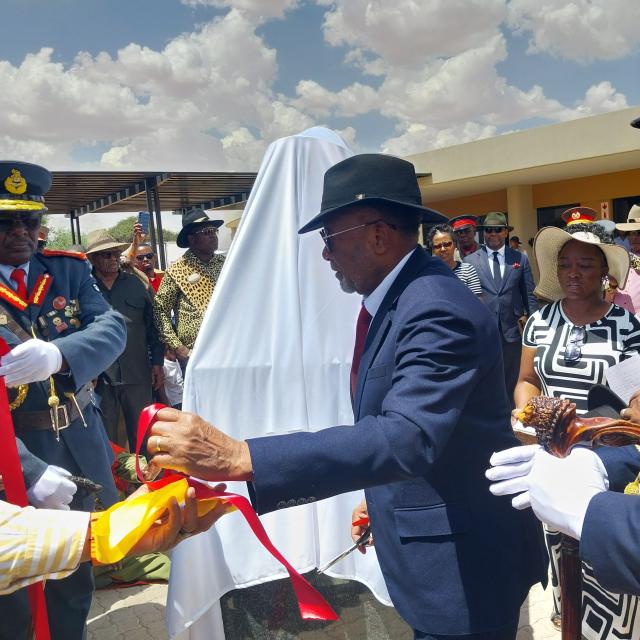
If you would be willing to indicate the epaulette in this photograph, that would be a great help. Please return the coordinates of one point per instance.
(52, 253)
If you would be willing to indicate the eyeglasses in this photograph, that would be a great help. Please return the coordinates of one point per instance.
(30, 220)
(573, 350)
(442, 245)
(144, 256)
(207, 231)
(494, 229)
(326, 237)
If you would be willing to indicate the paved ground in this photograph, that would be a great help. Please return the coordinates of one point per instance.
(137, 613)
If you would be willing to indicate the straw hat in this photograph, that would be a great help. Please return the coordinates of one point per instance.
(633, 220)
(547, 245)
(102, 240)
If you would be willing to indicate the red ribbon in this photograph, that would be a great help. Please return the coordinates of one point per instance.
(311, 604)
(16, 493)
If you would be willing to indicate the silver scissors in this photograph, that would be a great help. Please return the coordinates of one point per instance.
(362, 540)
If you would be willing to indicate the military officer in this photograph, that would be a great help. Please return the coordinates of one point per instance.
(62, 334)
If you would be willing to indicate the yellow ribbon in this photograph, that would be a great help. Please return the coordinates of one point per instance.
(116, 531)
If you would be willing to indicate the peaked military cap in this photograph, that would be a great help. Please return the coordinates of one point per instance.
(23, 185)
(459, 222)
(368, 178)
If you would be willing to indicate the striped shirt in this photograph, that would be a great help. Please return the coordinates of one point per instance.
(468, 274)
(38, 544)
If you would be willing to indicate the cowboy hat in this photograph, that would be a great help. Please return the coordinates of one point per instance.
(191, 220)
(547, 245)
(633, 220)
(102, 240)
(369, 178)
(496, 219)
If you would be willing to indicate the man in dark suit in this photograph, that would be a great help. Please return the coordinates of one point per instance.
(430, 407)
(507, 289)
(62, 334)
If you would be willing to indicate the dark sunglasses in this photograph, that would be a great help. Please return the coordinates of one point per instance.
(29, 220)
(207, 231)
(145, 256)
(493, 229)
(573, 350)
(442, 245)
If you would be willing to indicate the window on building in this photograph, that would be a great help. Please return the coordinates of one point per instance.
(621, 207)
(550, 216)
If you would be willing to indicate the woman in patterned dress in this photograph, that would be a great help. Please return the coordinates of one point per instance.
(567, 347)
(443, 245)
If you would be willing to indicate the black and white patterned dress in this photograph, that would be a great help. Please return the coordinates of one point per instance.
(615, 337)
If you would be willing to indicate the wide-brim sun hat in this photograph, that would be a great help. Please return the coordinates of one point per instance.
(548, 244)
(102, 240)
(633, 220)
(191, 220)
(371, 178)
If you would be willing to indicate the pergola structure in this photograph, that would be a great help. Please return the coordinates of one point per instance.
(75, 193)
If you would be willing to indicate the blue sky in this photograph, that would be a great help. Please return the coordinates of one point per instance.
(208, 84)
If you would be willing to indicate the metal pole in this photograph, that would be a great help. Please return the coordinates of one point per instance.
(163, 251)
(72, 217)
(78, 235)
(148, 183)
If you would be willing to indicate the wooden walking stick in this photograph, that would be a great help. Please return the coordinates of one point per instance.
(558, 429)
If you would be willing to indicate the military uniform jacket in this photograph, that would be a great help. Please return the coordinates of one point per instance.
(90, 336)
(131, 298)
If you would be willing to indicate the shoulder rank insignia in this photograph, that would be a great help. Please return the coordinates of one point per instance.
(53, 253)
(15, 183)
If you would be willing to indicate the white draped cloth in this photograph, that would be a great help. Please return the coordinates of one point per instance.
(273, 356)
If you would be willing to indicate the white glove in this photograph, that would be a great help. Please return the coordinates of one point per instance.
(509, 473)
(560, 489)
(31, 361)
(53, 490)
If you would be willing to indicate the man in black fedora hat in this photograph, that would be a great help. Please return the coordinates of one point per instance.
(430, 407)
(188, 284)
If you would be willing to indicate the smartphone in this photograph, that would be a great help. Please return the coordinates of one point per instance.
(143, 220)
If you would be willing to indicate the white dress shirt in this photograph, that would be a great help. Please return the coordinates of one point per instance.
(500, 258)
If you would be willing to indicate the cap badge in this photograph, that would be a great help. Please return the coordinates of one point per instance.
(15, 183)
(575, 215)
(360, 196)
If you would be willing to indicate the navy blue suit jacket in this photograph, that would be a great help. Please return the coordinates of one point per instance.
(609, 541)
(430, 408)
(514, 297)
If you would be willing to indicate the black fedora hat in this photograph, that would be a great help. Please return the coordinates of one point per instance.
(23, 185)
(191, 220)
(370, 178)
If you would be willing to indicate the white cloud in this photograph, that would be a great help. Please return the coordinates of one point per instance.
(158, 109)
(580, 30)
(407, 33)
(259, 10)
(350, 101)
(419, 137)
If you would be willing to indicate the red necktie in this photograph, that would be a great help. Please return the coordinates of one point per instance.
(17, 275)
(362, 326)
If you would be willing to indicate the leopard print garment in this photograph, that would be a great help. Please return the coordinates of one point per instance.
(185, 290)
